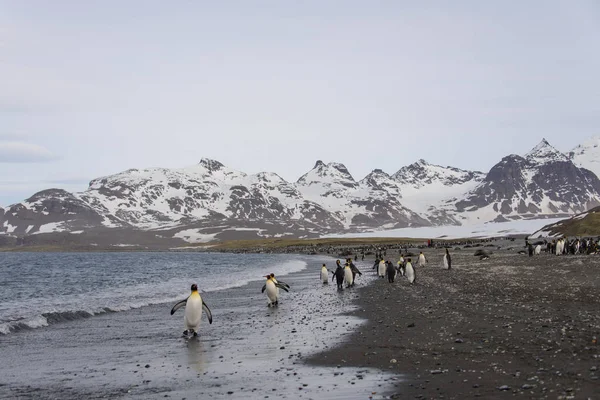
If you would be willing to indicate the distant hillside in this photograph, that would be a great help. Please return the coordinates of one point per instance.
(584, 224)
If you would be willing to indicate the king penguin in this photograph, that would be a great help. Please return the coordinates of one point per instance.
(272, 287)
(421, 261)
(538, 250)
(381, 269)
(324, 275)
(348, 276)
(447, 260)
(193, 311)
(410, 271)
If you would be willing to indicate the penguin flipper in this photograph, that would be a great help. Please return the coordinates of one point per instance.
(177, 306)
(207, 311)
(281, 286)
(264, 287)
(284, 284)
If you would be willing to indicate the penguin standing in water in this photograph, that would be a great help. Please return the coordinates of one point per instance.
(410, 271)
(447, 260)
(381, 269)
(390, 272)
(324, 275)
(422, 260)
(348, 277)
(193, 311)
(339, 275)
(272, 287)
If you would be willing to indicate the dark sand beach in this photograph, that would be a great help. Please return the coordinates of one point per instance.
(510, 326)
(498, 328)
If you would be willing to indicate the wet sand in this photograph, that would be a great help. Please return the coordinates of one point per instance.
(498, 328)
(250, 351)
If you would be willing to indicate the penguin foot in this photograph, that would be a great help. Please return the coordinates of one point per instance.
(195, 334)
(185, 333)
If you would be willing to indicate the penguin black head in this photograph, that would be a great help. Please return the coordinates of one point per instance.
(194, 287)
(272, 275)
(337, 261)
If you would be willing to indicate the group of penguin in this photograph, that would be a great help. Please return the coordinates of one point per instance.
(194, 305)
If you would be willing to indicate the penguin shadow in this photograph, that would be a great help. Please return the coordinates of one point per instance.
(196, 355)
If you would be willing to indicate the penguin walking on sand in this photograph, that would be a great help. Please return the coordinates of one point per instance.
(410, 271)
(355, 271)
(390, 272)
(324, 275)
(401, 265)
(272, 287)
(381, 269)
(447, 260)
(338, 275)
(422, 260)
(348, 277)
(193, 311)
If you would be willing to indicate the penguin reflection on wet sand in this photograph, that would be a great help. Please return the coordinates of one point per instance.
(272, 287)
(338, 275)
(193, 311)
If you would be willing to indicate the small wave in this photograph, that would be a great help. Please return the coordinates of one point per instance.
(23, 324)
(162, 294)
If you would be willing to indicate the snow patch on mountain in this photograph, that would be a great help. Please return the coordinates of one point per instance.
(587, 155)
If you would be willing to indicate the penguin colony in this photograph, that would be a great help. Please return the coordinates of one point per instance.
(345, 276)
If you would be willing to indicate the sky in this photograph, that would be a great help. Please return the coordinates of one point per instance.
(92, 88)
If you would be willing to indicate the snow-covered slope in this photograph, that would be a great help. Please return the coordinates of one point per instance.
(430, 189)
(544, 183)
(587, 155)
(210, 200)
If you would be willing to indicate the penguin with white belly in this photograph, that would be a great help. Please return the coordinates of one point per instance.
(410, 271)
(348, 276)
(422, 260)
(381, 269)
(324, 275)
(193, 311)
(447, 260)
(272, 287)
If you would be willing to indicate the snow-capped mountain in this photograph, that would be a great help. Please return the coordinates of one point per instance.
(587, 155)
(431, 190)
(210, 201)
(543, 183)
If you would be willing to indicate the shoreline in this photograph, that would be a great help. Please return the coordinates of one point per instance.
(510, 325)
(250, 350)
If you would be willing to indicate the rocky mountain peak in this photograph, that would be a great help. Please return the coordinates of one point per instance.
(544, 152)
(331, 172)
(211, 165)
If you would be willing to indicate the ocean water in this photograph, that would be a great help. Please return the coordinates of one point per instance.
(39, 289)
(98, 325)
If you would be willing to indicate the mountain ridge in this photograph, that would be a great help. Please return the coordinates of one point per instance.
(327, 199)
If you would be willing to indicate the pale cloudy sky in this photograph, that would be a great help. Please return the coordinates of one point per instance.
(91, 88)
